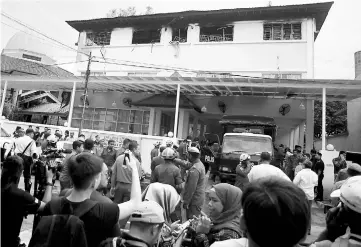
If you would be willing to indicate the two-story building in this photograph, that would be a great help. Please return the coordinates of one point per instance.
(269, 42)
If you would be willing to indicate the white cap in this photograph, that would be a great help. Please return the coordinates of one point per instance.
(244, 157)
(351, 193)
(52, 138)
(168, 154)
(193, 150)
(148, 212)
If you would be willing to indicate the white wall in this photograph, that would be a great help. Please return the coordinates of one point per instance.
(247, 54)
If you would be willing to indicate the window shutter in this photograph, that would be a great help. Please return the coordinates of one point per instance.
(267, 31)
(287, 31)
(296, 31)
(277, 31)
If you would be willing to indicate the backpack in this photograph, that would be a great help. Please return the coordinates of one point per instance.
(60, 229)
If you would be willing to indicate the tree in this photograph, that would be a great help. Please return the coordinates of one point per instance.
(130, 11)
(335, 124)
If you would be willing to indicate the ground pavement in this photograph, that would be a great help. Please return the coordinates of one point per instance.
(318, 217)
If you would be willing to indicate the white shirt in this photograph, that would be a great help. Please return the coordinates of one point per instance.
(266, 170)
(241, 242)
(22, 142)
(306, 180)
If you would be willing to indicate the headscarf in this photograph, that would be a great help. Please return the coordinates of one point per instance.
(165, 195)
(230, 197)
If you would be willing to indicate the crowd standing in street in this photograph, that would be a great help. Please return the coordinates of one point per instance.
(269, 205)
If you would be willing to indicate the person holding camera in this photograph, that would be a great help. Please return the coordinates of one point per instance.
(16, 203)
(25, 147)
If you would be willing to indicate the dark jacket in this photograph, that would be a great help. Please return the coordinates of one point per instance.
(194, 188)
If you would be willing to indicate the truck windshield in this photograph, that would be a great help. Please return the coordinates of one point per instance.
(248, 144)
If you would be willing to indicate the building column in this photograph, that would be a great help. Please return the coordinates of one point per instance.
(157, 119)
(323, 118)
(3, 97)
(302, 134)
(309, 125)
(296, 138)
(195, 126)
(151, 121)
(292, 140)
(183, 124)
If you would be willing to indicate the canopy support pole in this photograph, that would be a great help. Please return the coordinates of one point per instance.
(3, 98)
(176, 113)
(71, 107)
(323, 118)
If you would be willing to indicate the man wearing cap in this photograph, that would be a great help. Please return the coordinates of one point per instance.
(146, 225)
(265, 169)
(155, 151)
(242, 170)
(168, 172)
(346, 215)
(25, 147)
(195, 184)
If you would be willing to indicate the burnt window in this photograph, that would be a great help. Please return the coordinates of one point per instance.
(100, 38)
(179, 34)
(282, 31)
(146, 36)
(216, 34)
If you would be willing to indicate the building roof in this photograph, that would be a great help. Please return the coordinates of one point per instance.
(182, 19)
(201, 86)
(11, 65)
(47, 109)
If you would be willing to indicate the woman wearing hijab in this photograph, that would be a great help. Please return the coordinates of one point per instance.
(168, 198)
(224, 216)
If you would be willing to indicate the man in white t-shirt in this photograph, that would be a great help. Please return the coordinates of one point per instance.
(265, 169)
(306, 180)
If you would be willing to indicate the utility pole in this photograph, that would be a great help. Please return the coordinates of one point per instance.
(85, 95)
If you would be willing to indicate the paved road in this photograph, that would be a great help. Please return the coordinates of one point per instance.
(318, 218)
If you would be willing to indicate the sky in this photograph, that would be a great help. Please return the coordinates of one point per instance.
(335, 46)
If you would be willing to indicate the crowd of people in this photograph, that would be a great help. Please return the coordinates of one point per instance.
(101, 202)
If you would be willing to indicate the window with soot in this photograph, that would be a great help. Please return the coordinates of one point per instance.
(98, 38)
(179, 34)
(216, 34)
(146, 36)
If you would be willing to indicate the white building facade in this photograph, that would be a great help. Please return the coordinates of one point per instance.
(270, 42)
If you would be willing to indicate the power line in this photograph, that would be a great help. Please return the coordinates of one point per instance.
(31, 34)
(34, 30)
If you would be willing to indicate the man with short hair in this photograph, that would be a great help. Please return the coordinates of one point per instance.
(195, 184)
(124, 147)
(146, 223)
(265, 169)
(109, 154)
(85, 172)
(16, 203)
(157, 160)
(122, 176)
(155, 151)
(36, 133)
(291, 164)
(64, 178)
(88, 146)
(319, 167)
(71, 138)
(306, 180)
(25, 147)
(339, 162)
(81, 138)
(168, 172)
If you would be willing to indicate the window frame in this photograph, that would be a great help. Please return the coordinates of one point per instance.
(90, 42)
(271, 26)
(210, 39)
(150, 32)
(105, 121)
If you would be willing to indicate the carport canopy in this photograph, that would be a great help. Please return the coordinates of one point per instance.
(198, 86)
